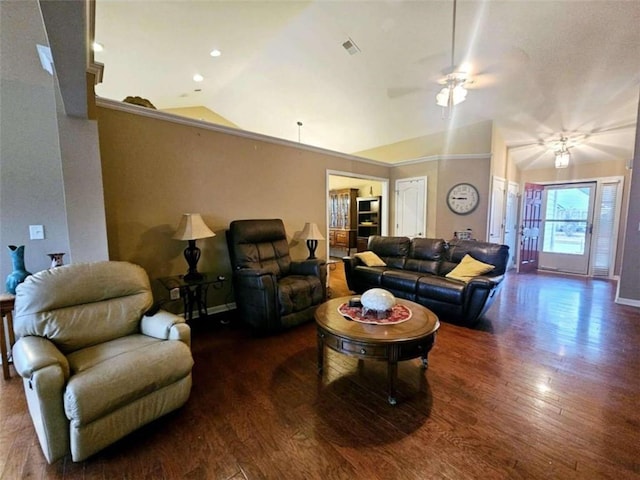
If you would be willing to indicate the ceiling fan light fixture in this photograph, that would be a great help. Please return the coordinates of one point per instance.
(562, 159)
(453, 94)
(562, 155)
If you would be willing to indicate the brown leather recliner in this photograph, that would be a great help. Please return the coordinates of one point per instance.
(272, 292)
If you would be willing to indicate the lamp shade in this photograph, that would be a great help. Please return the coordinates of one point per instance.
(192, 227)
(311, 232)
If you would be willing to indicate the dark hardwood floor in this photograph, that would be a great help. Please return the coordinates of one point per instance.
(546, 387)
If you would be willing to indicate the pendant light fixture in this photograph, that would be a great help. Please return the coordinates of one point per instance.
(454, 91)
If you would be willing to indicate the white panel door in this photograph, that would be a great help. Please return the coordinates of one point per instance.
(411, 207)
(496, 212)
(511, 223)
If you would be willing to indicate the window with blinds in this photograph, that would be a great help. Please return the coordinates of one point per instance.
(605, 232)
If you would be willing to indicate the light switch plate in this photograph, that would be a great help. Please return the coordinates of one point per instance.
(36, 232)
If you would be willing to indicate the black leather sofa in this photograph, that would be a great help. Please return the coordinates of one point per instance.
(415, 270)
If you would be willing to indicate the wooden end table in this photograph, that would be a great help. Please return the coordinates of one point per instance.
(391, 343)
(193, 292)
(6, 309)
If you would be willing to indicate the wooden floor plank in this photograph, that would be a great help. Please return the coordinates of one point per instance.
(545, 386)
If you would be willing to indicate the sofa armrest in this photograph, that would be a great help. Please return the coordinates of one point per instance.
(166, 326)
(350, 264)
(484, 281)
(481, 291)
(308, 267)
(31, 354)
(45, 372)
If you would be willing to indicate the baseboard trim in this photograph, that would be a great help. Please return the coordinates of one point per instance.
(627, 301)
(227, 307)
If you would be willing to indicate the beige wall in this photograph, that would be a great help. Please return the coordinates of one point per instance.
(31, 184)
(499, 165)
(442, 174)
(629, 286)
(201, 113)
(451, 172)
(155, 169)
(470, 139)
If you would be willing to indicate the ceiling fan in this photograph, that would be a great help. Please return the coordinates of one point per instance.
(455, 78)
(454, 90)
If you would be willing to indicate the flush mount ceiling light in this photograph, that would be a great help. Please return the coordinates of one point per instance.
(215, 52)
(198, 78)
(562, 155)
(97, 47)
(453, 91)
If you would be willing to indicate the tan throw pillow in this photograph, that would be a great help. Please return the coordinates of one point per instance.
(370, 259)
(468, 268)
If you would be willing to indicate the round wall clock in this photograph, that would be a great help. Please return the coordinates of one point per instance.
(463, 198)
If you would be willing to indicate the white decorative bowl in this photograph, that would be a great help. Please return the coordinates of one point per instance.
(377, 300)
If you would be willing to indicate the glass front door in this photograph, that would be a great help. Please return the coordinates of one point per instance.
(567, 223)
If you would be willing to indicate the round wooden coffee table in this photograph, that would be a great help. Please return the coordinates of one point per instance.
(391, 343)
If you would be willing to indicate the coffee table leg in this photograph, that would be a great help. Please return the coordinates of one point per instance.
(320, 351)
(425, 362)
(392, 373)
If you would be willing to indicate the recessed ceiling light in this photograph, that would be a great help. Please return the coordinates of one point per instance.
(97, 47)
(215, 52)
(198, 78)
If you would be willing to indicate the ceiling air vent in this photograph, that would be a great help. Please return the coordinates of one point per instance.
(351, 47)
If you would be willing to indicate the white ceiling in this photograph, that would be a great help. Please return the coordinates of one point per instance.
(540, 68)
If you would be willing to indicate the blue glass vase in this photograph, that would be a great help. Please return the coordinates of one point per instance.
(19, 272)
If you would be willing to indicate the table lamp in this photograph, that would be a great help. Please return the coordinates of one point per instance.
(311, 233)
(191, 228)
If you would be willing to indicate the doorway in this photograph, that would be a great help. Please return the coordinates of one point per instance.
(567, 227)
(366, 186)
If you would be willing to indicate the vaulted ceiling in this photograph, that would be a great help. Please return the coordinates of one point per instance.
(539, 68)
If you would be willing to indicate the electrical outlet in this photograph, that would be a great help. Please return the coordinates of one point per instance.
(36, 232)
(174, 293)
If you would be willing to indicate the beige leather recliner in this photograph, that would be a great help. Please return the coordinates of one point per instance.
(94, 367)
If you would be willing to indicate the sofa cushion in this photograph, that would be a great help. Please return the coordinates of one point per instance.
(392, 250)
(83, 304)
(369, 275)
(298, 292)
(370, 259)
(425, 255)
(103, 387)
(441, 289)
(259, 244)
(491, 253)
(400, 280)
(469, 268)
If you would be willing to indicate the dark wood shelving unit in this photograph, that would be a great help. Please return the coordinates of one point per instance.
(368, 219)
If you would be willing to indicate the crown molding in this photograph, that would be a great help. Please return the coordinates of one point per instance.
(192, 122)
(446, 156)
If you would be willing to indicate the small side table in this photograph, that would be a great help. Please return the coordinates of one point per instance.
(193, 292)
(6, 310)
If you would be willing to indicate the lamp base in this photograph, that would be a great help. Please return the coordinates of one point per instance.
(193, 277)
(312, 245)
(192, 255)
